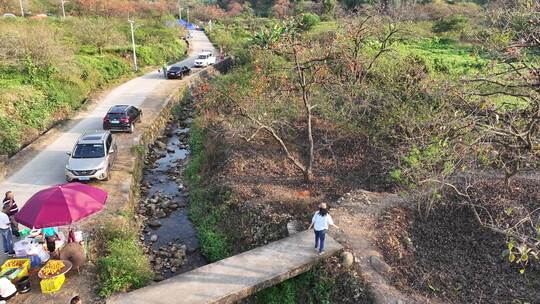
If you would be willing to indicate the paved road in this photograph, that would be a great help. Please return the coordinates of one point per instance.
(237, 277)
(47, 167)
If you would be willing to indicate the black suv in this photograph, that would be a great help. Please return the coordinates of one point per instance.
(122, 118)
(176, 72)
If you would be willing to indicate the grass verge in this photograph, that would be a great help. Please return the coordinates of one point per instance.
(207, 206)
(124, 265)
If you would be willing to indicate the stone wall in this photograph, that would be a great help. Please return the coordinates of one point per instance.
(157, 124)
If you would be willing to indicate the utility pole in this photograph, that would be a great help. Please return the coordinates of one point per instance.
(179, 11)
(22, 9)
(63, 8)
(131, 22)
(187, 15)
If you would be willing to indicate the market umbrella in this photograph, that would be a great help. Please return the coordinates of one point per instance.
(61, 205)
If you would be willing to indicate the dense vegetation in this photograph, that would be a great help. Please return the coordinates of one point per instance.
(438, 91)
(203, 212)
(49, 67)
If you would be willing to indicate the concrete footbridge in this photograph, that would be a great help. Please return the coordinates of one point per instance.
(237, 277)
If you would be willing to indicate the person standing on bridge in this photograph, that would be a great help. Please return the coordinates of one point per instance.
(320, 222)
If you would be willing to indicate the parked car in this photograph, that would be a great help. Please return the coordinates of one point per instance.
(204, 59)
(8, 15)
(39, 16)
(122, 118)
(177, 72)
(92, 157)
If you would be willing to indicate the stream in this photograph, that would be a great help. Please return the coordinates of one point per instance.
(168, 234)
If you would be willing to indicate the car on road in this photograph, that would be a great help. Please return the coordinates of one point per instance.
(178, 72)
(204, 59)
(92, 157)
(122, 118)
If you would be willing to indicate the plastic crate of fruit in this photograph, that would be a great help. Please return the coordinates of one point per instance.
(53, 284)
(54, 268)
(22, 264)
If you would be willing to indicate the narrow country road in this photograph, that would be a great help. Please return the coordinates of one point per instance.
(46, 168)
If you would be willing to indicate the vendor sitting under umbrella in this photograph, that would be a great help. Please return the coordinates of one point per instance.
(51, 236)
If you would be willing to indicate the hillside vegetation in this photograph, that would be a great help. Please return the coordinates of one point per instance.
(49, 67)
(424, 99)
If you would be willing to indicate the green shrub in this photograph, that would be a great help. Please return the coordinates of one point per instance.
(232, 38)
(452, 23)
(124, 265)
(310, 20)
(313, 286)
(10, 135)
(197, 160)
(214, 244)
(329, 7)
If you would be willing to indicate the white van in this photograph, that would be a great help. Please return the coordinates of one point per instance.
(204, 59)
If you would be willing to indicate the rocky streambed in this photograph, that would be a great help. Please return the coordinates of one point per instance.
(169, 237)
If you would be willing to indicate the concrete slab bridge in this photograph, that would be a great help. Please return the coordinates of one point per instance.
(237, 277)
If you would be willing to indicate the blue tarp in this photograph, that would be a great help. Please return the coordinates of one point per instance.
(189, 26)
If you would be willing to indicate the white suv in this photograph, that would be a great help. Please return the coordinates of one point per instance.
(204, 59)
(92, 157)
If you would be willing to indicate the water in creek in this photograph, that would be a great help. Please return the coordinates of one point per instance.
(171, 239)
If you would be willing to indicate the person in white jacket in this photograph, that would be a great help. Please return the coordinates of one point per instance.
(320, 222)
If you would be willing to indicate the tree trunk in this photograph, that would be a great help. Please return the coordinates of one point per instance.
(308, 172)
(308, 175)
(309, 168)
(508, 174)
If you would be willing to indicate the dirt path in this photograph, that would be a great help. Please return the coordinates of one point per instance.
(357, 214)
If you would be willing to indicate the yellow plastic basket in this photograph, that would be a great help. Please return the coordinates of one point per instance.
(24, 264)
(52, 285)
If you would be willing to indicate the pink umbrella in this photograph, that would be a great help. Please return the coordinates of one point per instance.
(61, 205)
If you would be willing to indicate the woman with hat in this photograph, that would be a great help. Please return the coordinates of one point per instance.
(320, 222)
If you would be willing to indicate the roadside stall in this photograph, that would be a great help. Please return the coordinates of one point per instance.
(58, 206)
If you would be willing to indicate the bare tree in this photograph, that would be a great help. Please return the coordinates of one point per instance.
(307, 70)
(99, 33)
(287, 88)
(506, 105)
